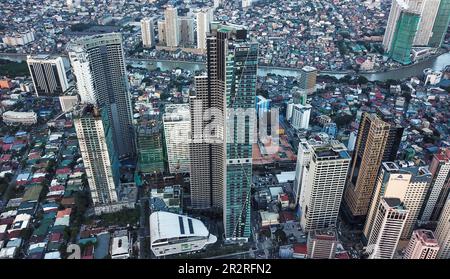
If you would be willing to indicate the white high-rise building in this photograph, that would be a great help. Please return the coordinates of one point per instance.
(177, 125)
(410, 185)
(49, 74)
(397, 8)
(300, 116)
(204, 19)
(99, 157)
(440, 169)
(172, 26)
(390, 219)
(321, 195)
(442, 232)
(423, 245)
(302, 167)
(98, 63)
(148, 32)
(429, 10)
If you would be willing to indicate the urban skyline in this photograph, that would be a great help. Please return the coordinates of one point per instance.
(158, 134)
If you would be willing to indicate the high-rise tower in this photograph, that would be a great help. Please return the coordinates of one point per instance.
(98, 64)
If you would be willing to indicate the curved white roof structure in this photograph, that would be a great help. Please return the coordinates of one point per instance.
(172, 233)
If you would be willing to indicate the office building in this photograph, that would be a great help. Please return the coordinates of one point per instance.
(171, 234)
(186, 29)
(289, 110)
(49, 74)
(389, 222)
(401, 29)
(377, 141)
(423, 245)
(240, 77)
(441, 23)
(322, 244)
(177, 124)
(321, 194)
(162, 32)
(221, 168)
(150, 146)
(171, 27)
(148, 32)
(442, 232)
(440, 185)
(409, 184)
(304, 156)
(94, 133)
(308, 78)
(98, 64)
(204, 19)
(300, 116)
(428, 13)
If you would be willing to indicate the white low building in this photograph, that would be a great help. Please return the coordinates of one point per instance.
(174, 234)
(17, 117)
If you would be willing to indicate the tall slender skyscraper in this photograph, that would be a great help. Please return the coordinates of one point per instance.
(98, 64)
(204, 19)
(321, 194)
(100, 160)
(440, 186)
(377, 141)
(423, 245)
(177, 124)
(401, 29)
(441, 23)
(49, 74)
(428, 14)
(442, 232)
(171, 26)
(148, 32)
(389, 222)
(186, 29)
(221, 149)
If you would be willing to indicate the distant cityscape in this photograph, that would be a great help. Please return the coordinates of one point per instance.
(225, 129)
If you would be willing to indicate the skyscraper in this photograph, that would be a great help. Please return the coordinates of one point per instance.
(440, 184)
(409, 184)
(186, 29)
(321, 194)
(150, 146)
(49, 74)
(389, 222)
(371, 149)
(99, 67)
(442, 232)
(401, 29)
(171, 26)
(148, 32)
(204, 19)
(100, 160)
(162, 32)
(177, 124)
(300, 116)
(423, 245)
(308, 79)
(241, 60)
(428, 14)
(221, 158)
(441, 23)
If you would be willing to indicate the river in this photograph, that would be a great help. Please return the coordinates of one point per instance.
(435, 63)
